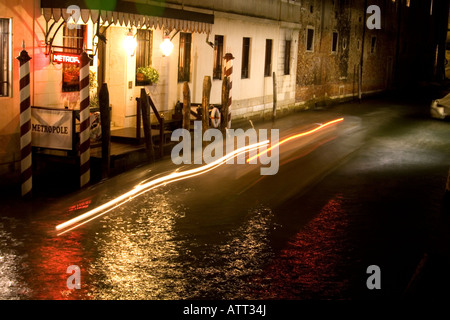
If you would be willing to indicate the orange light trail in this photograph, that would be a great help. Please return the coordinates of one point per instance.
(296, 136)
(145, 187)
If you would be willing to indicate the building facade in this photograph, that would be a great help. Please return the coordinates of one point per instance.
(317, 50)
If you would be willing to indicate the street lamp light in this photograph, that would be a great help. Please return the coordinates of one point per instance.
(166, 46)
(130, 43)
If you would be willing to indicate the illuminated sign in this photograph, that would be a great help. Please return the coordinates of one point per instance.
(61, 57)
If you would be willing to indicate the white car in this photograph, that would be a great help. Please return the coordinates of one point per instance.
(440, 108)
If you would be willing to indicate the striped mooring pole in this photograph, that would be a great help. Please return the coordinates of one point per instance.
(25, 123)
(85, 125)
(228, 72)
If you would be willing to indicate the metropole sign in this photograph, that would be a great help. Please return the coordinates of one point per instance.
(61, 57)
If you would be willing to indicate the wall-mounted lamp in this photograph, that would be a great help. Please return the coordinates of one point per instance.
(166, 46)
(130, 43)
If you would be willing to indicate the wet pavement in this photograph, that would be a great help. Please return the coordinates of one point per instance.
(367, 191)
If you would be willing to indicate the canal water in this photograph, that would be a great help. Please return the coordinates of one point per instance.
(365, 192)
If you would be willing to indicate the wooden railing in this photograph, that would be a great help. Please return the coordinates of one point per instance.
(144, 103)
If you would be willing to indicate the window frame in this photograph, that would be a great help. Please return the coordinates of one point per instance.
(185, 46)
(309, 28)
(268, 58)
(6, 58)
(287, 57)
(144, 51)
(334, 41)
(80, 39)
(245, 66)
(218, 57)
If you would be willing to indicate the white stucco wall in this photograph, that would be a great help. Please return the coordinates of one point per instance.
(252, 96)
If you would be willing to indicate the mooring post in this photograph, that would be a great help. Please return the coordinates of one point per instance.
(105, 120)
(205, 103)
(85, 123)
(145, 111)
(186, 107)
(161, 136)
(225, 96)
(25, 123)
(274, 113)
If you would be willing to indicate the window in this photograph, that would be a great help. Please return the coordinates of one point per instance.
(310, 39)
(268, 59)
(184, 57)
(287, 56)
(245, 58)
(334, 42)
(373, 44)
(218, 57)
(5, 57)
(73, 41)
(143, 50)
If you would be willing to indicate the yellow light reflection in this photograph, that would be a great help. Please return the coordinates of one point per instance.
(296, 136)
(145, 187)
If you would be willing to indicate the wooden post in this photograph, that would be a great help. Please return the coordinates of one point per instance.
(161, 136)
(145, 111)
(25, 123)
(85, 125)
(138, 120)
(105, 120)
(160, 118)
(225, 96)
(274, 96)
(205, 102)
(186, 107)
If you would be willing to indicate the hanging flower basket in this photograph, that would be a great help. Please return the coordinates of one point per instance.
(146, 76)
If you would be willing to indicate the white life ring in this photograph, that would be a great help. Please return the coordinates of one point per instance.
(215, 117)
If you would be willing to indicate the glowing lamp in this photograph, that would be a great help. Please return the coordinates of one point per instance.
(166, 46)
(130, 43)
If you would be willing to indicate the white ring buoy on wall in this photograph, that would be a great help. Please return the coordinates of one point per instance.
(215, 117)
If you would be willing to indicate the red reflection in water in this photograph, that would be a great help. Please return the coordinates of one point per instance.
(80, 205)
(50, 259)
(308, 267)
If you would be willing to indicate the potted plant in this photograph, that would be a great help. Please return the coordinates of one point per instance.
(147, 75)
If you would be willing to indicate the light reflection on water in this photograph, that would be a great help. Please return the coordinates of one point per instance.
(12, 284)
(139, 251)
(136, 257)
(176, 242)
(141, 254)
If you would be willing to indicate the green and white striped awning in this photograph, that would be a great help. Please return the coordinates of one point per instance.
(128, 14)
